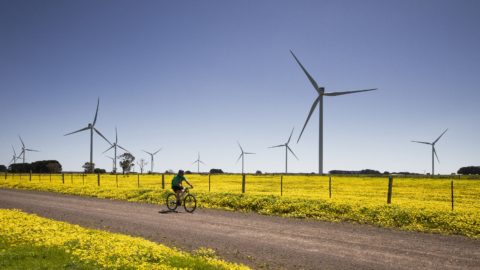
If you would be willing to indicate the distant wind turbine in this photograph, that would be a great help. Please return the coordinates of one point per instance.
(91, 127)
(434, 152)
(287, 148)
(319, 100)
(242, 155)
(15, 157)
(198, 161)
(114, 146)
(151, 157)
(114, 161)
(24, 149)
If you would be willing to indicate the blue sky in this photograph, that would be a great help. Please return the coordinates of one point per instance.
(196, 76)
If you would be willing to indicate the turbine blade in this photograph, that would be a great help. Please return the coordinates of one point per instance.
(423, 142)
(32, 150)
(101, 135)
(314, 105)
(239, 157)
(240, 146)
(280, 145)
(157, 151)
(435, 152)
(312, 81)
(123, 148)
(291, 133)
(108, 149)
(21, 140)
(96, 112)
(202, 162)
(440, 136)
(85, 128)
(292, 152)
(147, 152)
(116, 135)
(347, 92)
(195, 161)
(248, 153)
(14, 153)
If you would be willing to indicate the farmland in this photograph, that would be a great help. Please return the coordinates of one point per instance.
(418, 204)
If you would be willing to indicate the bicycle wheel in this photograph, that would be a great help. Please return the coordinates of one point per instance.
(172, 202)
(190, 203)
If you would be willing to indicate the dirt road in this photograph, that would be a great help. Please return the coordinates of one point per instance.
(255, 240)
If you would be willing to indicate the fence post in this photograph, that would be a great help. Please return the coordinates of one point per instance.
(243, 183)
(83, 179)
(163, 181)
(116, 179)
(281, 185)
(71, 178)
(389, 195)
(98, 179)
(39, 177)
(63, 178)
(5, 175)
(30, 179)
(138, 180)
(50, 177)
(452, 193)
(330, 187)
(209, 175)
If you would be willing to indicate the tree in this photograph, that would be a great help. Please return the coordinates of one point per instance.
(46, 166)
(126, 162)
(98, 170)
(469, 170)
(19, 168)
(142, 163)
(3, 168)
(88, 167)
(216, 171)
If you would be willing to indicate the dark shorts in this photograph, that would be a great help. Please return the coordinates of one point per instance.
(177, 188)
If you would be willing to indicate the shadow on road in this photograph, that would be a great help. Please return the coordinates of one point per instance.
(168, 211)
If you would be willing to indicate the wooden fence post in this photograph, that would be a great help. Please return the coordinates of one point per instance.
(243, 183)
(5, 175)
(163, 181)
(330, 187)
(50, 177)
(71, 178)
(209, 175)
(83, 179)
(389, 194)
(30, 176)
(281, 185)
(98, 179)
(116, 179)
(138, 180)
(63, 178)
(452, 193)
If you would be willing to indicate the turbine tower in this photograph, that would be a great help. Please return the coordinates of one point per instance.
(434, 153)
(114, 146)
(287, 148)
(319, 101)
(114, 166)
(151, 157)
(198, 161)
(91, 127)
(24, 149)
(242, 155)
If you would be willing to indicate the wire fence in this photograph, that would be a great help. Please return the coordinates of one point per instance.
(455, 193)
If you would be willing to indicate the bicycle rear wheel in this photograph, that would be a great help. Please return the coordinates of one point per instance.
(172, 202)
(190, 203)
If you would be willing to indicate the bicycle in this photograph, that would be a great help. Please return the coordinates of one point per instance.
(189, 201)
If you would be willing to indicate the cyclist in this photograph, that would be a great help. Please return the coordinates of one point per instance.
(178, 187)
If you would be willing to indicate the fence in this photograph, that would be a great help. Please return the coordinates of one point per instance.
(435, 193)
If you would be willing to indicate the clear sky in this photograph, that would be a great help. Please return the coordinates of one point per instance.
(196, 76)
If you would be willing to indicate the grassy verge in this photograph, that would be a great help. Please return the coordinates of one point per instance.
(31, 242)
(391, 216)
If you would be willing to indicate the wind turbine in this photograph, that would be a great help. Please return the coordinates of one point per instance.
(114, 161)
(15, 157)
(24, 149)
(91, 127)
(151, 157)
(287, 148)
(198, 161)
(319, 100)
(242, 155)
(433, 150)
(114, 146)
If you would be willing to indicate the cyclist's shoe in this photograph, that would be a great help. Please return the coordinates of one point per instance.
(179, 203)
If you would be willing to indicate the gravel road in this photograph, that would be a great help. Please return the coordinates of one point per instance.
(262, 242)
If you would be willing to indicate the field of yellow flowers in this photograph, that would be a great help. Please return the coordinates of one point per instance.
(419, 204)
(31, 242)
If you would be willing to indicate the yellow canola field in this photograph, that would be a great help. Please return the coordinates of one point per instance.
(101, 249)
(422, 193)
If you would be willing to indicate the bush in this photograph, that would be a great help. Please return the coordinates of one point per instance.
(216, 171)
(98, 170)
(469, 170)
(3, 168)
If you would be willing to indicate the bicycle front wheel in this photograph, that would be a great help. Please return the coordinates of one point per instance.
(190, 203)
(171, 202)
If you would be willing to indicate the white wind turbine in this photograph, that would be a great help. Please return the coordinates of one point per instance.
(287, 148)
(151, 157)
(15, 157)
(114, 161)
(24, 149)
(91, 127)
(242, 155)
(114, 146)
(434, 152)
(319, 100)
(198, 161)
